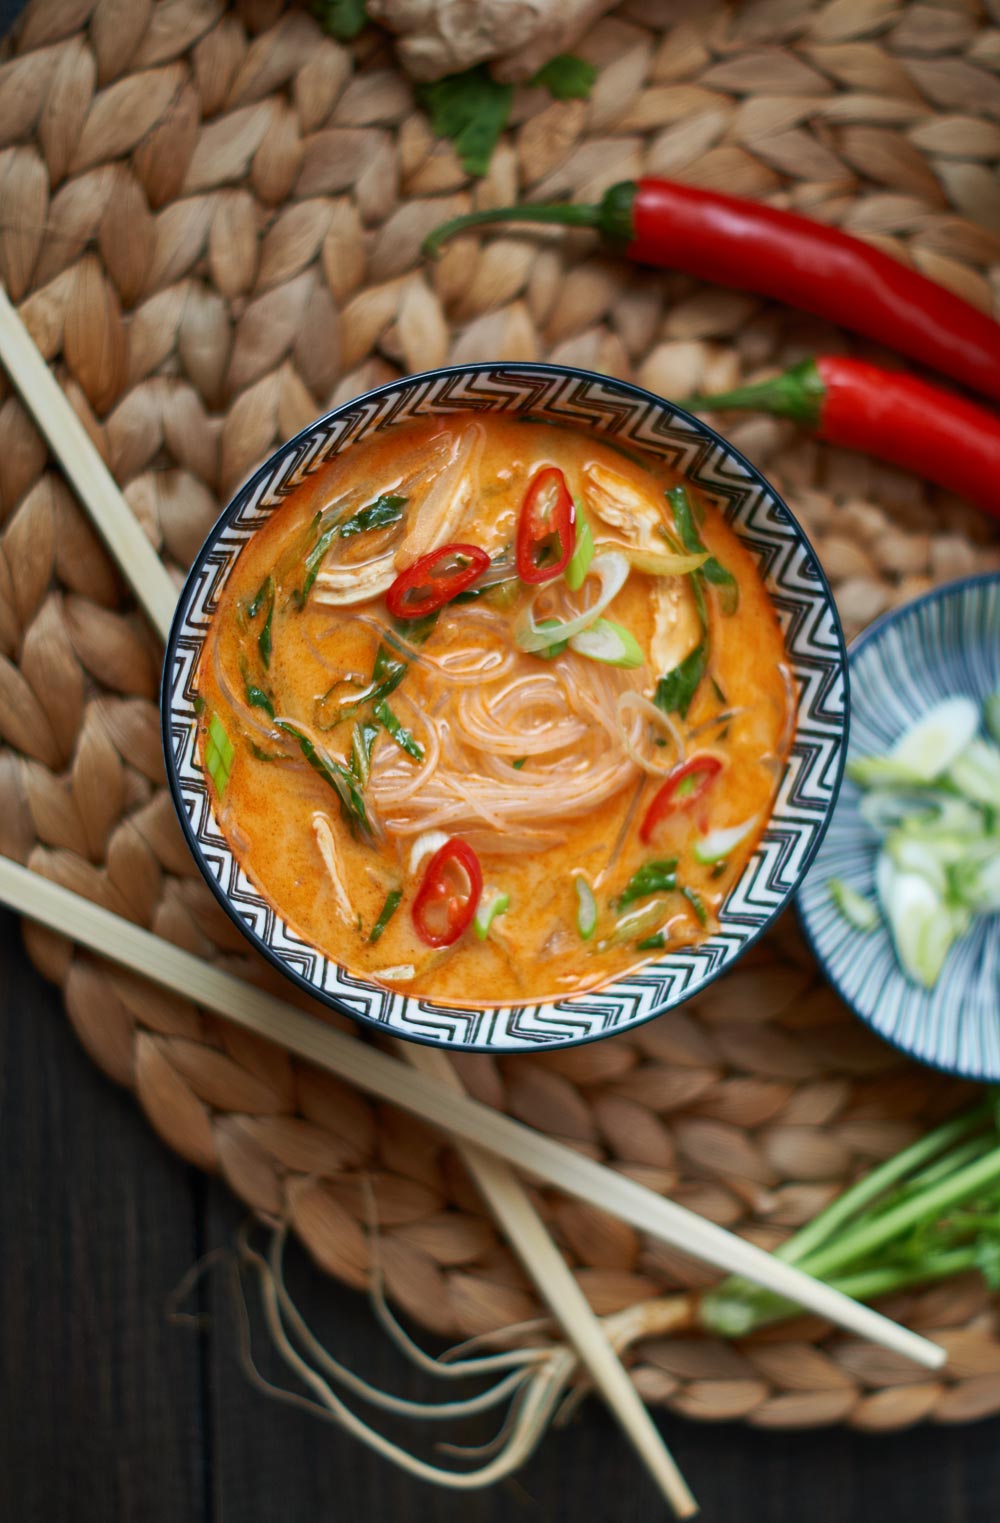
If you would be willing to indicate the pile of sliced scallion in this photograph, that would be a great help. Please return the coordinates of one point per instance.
(933, 801)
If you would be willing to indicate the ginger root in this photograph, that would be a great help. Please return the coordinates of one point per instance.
(516, 37)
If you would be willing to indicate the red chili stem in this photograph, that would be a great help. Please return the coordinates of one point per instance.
(789, 258)
(885, 413)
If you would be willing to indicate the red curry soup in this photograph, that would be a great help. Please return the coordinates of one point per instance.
(493, 712)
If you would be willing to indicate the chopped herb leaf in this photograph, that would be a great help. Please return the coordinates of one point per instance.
(313, 562)
(387, 674)
(567, 77)
(399, 733)
(264, 598)
(517, 765)
(260, 597)
(342, 781)
(651, 878)
(712, 571)
(258, 699)
(387, 509)
(362, 745)
(199, 704)
(651, 943)
(697, 903)
(218, 754)
(343, 19)
(268, 756)
(675, 691)
(472, 110)
(719, 869)
(416, 631)
(389, 909)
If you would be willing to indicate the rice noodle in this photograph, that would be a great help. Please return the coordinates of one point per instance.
(540, 713)
(654, 716)
(243, 710)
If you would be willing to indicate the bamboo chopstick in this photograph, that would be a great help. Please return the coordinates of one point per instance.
(532, 1152)
(529, 1237)
(501, 1190)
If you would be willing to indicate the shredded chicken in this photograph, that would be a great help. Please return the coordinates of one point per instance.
(619, 503)
(328, 850)
(676, 629)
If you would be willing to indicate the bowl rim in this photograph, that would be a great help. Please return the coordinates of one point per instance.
(872, 632)
(177, 624)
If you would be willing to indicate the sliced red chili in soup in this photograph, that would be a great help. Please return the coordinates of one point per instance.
(448, 894)
(685, 785)
(434, 580)
(546, 529)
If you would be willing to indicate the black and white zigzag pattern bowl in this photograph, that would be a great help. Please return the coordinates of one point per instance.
(815, 649)
(943, 645)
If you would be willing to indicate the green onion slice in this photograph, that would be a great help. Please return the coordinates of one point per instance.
(586, 909)
(491, 904)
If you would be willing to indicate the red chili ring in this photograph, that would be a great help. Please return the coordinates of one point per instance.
(444, 906)
(442, 581)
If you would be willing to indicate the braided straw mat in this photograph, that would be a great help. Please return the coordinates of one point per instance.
(211, 222)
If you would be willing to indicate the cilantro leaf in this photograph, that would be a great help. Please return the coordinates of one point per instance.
(472, 110)
(567, 77)
(387, 509)
(675, 691)
(343, 19)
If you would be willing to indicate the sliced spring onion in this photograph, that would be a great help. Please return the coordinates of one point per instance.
(218, 754)
(635, 923)
(425, 846)
(586, 908)
(389, 909)
(922, 927)
(608, 642)
(719, 843)
(976, 773)
(611, 569)
(991, 717)
(558, 646)
(926, 750)
(583, 551)
(855, 908)
(492, 902)
(939, 864)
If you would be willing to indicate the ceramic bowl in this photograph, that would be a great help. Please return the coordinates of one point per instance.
(815, 650)
(943, 645)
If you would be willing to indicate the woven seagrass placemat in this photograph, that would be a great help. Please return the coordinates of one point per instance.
(210, 222)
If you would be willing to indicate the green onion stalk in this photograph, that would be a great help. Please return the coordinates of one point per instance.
(931, 1212)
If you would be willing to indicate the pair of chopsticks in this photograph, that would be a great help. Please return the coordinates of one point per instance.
(430, 1086)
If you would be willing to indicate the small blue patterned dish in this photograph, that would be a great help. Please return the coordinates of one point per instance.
(815, 653)
(943, 645)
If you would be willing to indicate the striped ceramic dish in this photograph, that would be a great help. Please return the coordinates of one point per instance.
(943, 645)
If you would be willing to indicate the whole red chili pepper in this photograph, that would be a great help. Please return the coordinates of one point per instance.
(886, 413)
(782, 255)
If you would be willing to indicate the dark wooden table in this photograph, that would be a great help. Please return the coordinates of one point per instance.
(111, 1414)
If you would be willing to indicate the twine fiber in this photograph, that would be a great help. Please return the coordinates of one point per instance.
(210, 222)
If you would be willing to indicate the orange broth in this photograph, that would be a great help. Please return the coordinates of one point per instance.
(537, 816)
